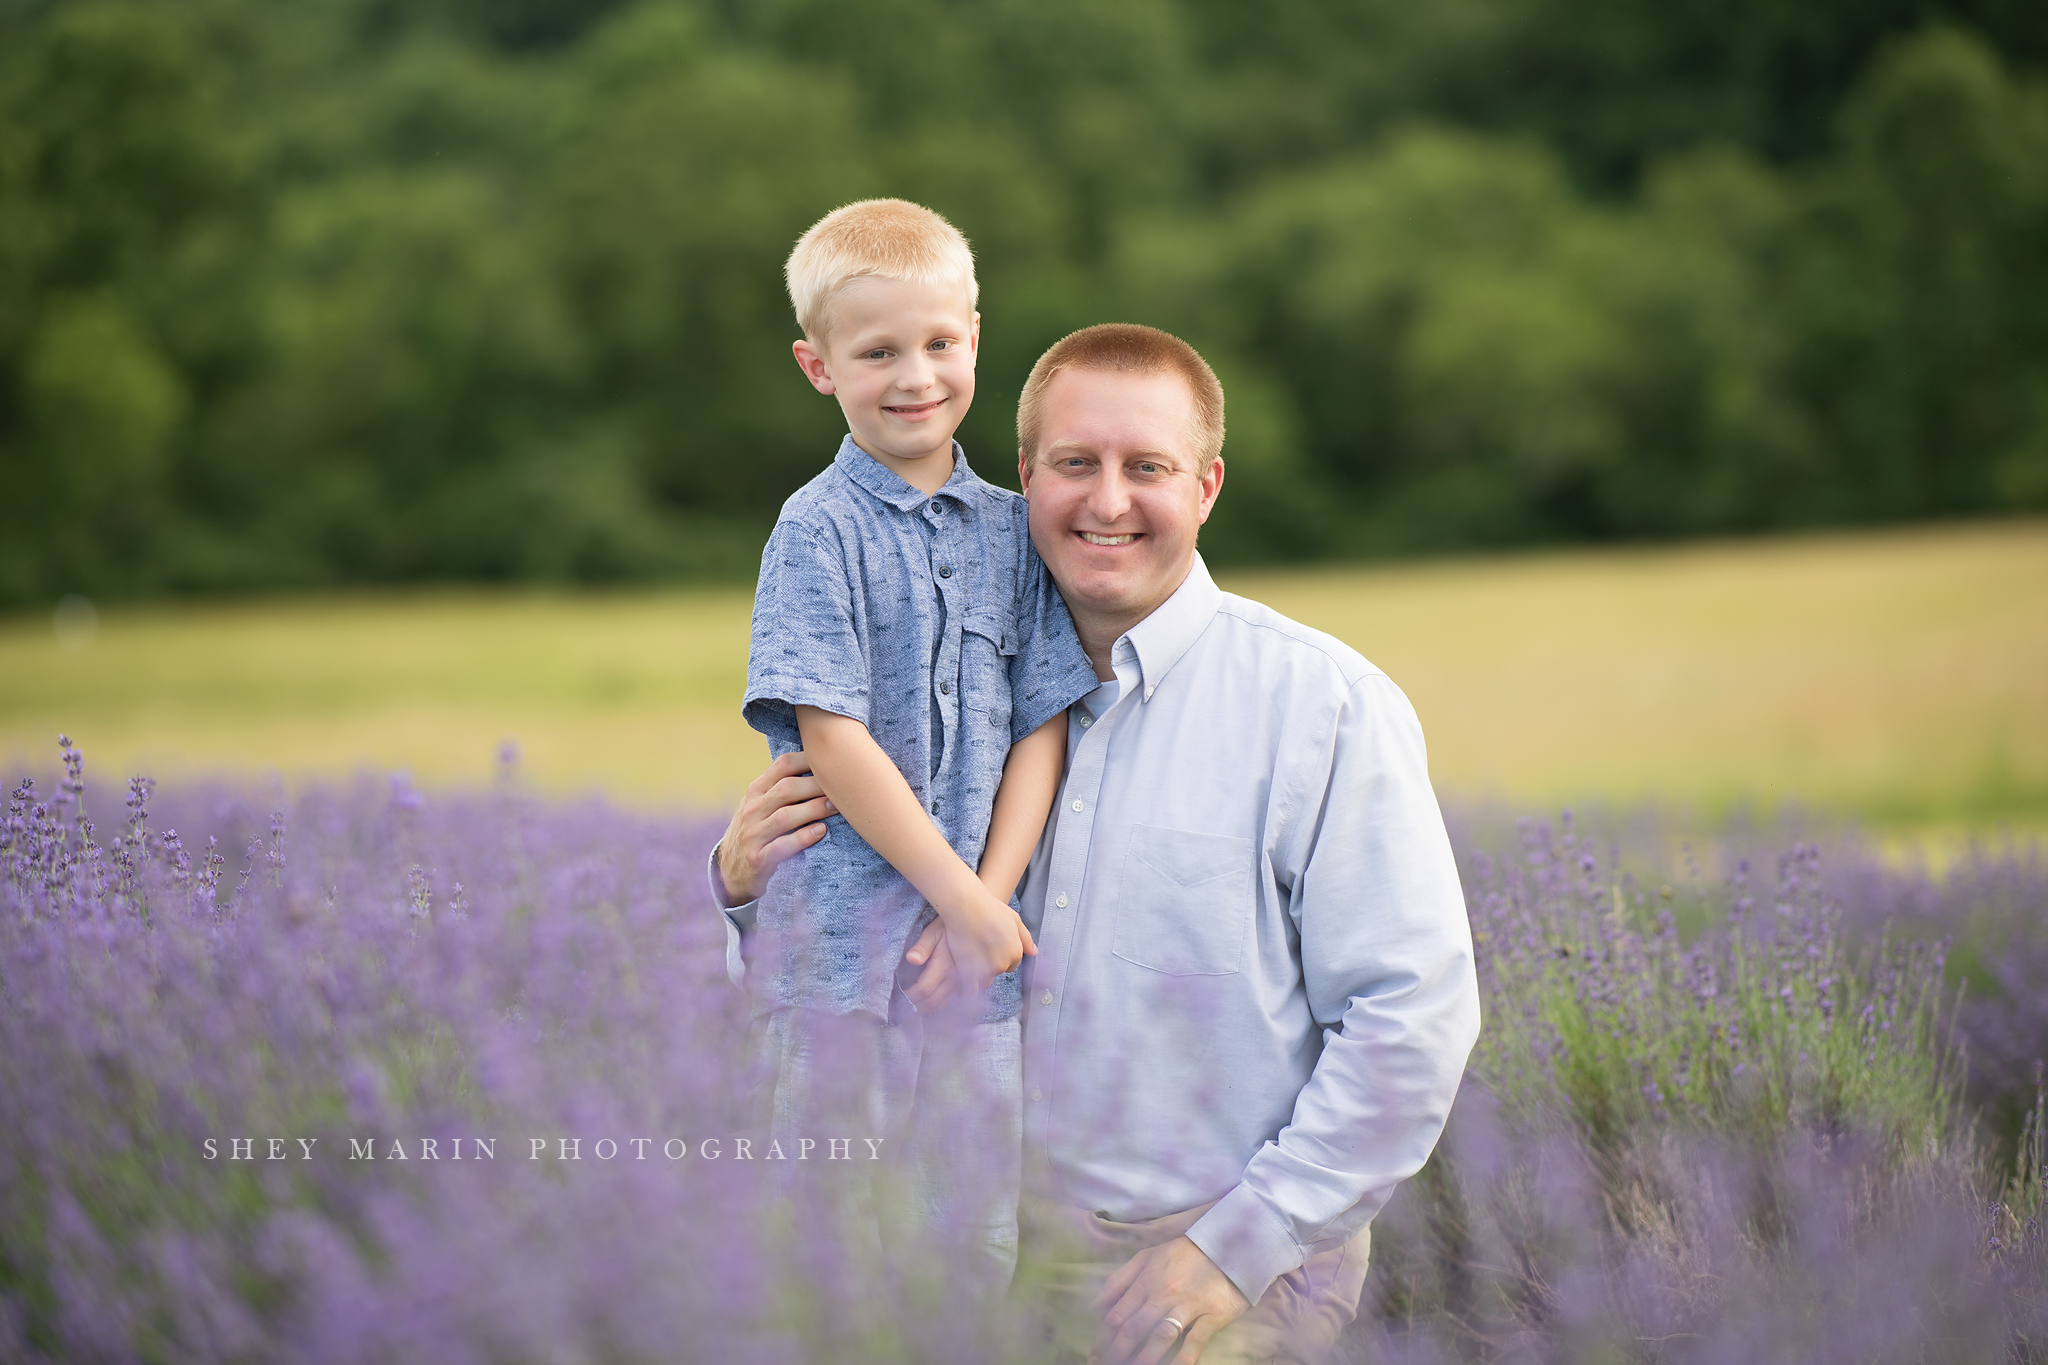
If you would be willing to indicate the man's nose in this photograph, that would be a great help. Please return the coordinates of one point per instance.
(1109, 495)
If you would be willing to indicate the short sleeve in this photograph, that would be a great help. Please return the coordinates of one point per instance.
(1049, 672)
(806, 646)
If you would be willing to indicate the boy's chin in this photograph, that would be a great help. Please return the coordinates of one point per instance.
(923, 444)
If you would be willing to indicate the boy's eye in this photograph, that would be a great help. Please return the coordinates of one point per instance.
(942, 345)
(875, 355)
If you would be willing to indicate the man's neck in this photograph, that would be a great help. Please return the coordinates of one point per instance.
(1100, 630)
(1097, 646)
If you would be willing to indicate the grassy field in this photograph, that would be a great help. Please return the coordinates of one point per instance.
(1900, 676)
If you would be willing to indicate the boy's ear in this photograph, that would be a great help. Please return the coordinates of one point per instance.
(813, 365)
(974, 335)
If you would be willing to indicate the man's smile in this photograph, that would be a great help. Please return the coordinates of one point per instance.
(1094, 539)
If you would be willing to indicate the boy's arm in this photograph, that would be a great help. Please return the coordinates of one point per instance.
(865, 786)
(1031, 781)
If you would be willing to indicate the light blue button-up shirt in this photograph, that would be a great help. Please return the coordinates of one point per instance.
(1254, 980)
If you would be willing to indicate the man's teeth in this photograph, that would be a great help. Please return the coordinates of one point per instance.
(1094, 539)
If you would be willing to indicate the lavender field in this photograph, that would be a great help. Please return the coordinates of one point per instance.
(364, 1073)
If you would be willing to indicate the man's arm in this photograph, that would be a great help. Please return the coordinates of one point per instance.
(984, 934)
(1386, 961)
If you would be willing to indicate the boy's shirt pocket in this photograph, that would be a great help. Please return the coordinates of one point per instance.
(988, 643)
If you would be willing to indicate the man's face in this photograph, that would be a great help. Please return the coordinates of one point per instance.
(1115, 499)
(900, 360)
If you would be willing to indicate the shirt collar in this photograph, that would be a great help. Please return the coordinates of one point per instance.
(1171, 630)
(871, 474)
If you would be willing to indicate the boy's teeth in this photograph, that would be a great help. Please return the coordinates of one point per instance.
(1094, 539)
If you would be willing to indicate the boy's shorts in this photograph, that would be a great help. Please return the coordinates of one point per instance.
(938, 1205)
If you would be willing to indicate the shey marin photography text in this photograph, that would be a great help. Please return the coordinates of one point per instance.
(545, 1149)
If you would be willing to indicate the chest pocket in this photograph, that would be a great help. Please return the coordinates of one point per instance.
(986, 648)
(1185, 905)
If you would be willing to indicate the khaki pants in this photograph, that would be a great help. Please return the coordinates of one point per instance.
(1067, 1254)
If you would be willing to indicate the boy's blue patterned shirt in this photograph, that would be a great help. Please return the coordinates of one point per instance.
(931, 621)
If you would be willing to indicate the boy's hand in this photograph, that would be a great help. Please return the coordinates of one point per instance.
(986, 939)
(939, 982)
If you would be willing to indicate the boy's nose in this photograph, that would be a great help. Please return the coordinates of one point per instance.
(915, 373)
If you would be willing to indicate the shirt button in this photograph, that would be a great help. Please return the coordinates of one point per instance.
(935, 805)
(1077, 805)
(945, 688)
(1087, 721)
(1036, 1094)
(1060, 901)
(945, 570)
(1046, 998)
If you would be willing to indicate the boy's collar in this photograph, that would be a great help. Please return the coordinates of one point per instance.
(878, 479)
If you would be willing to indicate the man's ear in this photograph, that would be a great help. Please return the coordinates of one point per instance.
(1023, 471)
(1210, 484)
(813, 365)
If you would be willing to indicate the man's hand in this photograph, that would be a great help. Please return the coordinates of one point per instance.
(939, 982)
(1173, 1282)
(782, 814)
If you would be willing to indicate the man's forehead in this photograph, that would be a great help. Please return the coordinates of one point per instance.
(1137, 412)
(1158, 381)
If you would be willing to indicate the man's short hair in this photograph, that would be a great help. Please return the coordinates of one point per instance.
(892, 239)
(1127, 348)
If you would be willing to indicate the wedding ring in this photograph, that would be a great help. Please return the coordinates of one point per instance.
(1175, 1324)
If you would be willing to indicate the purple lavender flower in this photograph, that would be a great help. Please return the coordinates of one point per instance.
(1706, 1122)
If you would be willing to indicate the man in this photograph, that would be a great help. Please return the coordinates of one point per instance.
(1254, 996)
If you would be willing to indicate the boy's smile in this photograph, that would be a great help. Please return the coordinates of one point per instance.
(900, 359)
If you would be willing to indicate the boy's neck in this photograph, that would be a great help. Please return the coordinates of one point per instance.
(926, 473)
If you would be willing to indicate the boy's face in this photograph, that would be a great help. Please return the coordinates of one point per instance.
(900, 359)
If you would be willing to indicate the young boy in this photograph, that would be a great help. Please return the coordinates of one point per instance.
(907, 638)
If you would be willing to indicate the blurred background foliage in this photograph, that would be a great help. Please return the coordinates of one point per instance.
(294, 294)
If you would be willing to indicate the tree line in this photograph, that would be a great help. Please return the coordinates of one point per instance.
(296, 294)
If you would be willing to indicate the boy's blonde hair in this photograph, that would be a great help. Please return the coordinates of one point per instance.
(1127, 348)
(890, 238)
